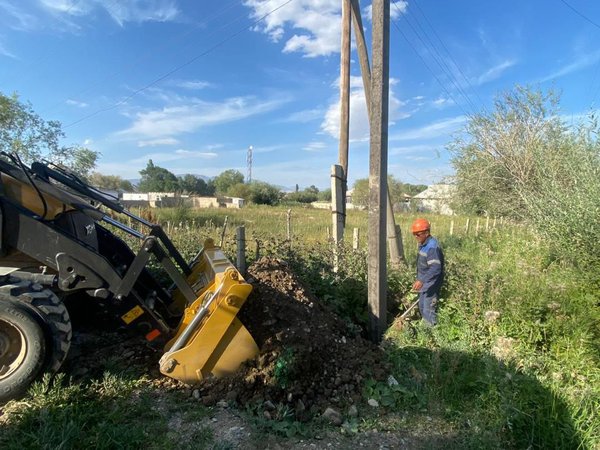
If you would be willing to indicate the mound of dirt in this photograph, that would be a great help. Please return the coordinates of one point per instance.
(309, 358)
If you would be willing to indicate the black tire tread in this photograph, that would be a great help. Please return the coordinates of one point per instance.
(52, 310)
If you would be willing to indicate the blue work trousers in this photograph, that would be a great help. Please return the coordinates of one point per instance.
(428, 306)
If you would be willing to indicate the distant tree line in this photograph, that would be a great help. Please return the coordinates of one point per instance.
(24, 132)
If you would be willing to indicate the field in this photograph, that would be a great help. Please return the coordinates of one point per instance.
(513, 363)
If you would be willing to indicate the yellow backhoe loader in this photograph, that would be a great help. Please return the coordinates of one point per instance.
(60, 236)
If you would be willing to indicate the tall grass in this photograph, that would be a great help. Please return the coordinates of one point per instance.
(513, 363)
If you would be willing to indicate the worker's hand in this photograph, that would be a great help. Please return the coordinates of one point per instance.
(417, 285)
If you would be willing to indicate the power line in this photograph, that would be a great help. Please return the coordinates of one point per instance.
(152, 51)
(177, 68)
(416, 3)
(580, 14)
(439, 60)
(429, 68)
(45, 51)
(427, 65)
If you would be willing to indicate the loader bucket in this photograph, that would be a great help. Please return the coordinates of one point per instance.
(210, 339)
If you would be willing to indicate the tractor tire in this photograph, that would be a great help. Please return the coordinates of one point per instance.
(53, 313)
(22, 349)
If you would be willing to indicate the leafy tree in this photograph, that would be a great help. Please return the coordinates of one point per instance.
(157, 179)
(324, 195)
(360, 193)
(24, 132)
(227, 179)
(307, 195)
(191, 184)
(263, 193)
(497, 156)
(241, 190)
(521, 161)
(113, 182)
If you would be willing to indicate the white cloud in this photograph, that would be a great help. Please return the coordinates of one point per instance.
(494, 72)
(158, 142)
(308, 115)
(76, 103)
(442, 102)
(581, 62)
(396, 10)
(444, 127)
(316, 24)
(359, 117)
(190, 84)
(189, 117)
(177, 155)
(14, 17)
(315, 146)
(5, 52)
(133, 11)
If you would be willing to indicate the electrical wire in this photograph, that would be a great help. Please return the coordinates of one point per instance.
(429, 69)
(178, 68)
(428, 44)
(580, 14)
(416, 3)
(152, 51)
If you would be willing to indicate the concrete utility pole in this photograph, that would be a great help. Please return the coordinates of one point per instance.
(395, 245)
(377, 270)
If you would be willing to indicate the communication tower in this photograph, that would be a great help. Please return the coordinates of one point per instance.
(249, 165)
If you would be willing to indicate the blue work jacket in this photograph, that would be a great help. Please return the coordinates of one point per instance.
(430, 265)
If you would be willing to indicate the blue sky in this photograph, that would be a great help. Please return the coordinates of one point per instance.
(192, 84)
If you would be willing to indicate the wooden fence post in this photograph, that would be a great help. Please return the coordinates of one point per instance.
(337, 203)
(289, 224)
(451, 227)
(487, 224)
(477, 227)
(223, 231)
(257, 253)
(241, 250)
(467, 225)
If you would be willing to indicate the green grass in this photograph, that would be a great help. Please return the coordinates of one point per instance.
(530, 378)
(115, 411)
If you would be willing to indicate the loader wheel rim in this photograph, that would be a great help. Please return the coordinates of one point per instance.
(13, 348)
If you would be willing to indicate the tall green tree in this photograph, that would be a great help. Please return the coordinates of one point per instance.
(262, 193)
(496, 159)
(24, 132)
(113, 182)
(521, 161)
(192, 184)
(226, 179)
(360, 193)
(157, 179)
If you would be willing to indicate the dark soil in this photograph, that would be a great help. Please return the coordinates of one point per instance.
(309, 358)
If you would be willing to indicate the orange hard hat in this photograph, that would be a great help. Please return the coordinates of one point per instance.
(420, 225)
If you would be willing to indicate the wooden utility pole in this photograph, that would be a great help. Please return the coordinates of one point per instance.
(396, 247)
(377, 270)
(344, 104)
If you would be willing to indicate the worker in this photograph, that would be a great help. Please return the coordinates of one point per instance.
(430, 270)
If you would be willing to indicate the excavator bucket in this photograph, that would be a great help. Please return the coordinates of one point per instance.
(210, 340)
